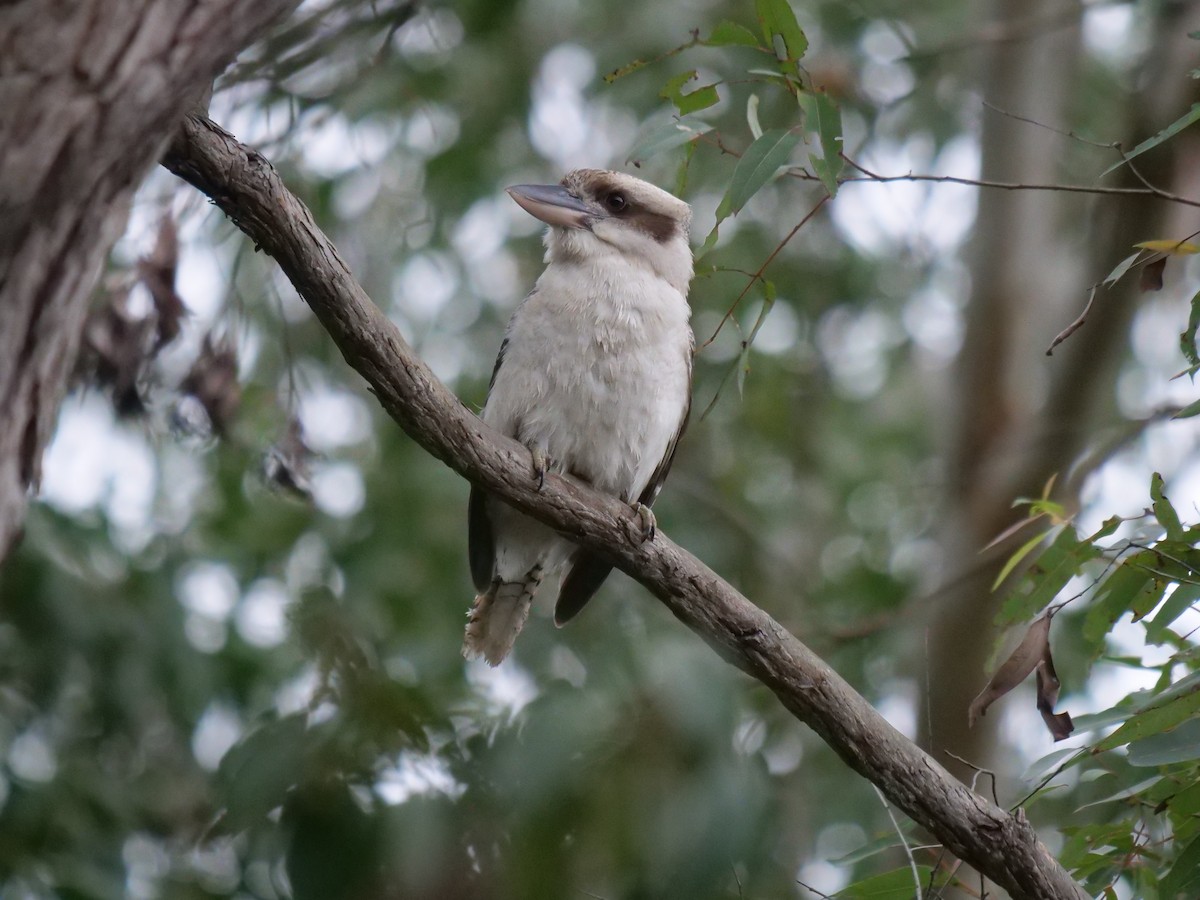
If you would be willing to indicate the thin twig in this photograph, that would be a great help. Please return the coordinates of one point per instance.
(868, 175)
(813, 890)
(757, 276)
(979, 770)
(1111, 145)
(1077, 324)
(912, 863)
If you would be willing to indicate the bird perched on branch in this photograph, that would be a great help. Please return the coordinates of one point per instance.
(594, 377)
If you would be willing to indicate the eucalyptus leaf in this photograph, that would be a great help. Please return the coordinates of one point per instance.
(759, 164)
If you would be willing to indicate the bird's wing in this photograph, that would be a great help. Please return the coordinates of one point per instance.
(654, 485)
(586, 575)
(588, 572)
(481, 542)
(499, 362)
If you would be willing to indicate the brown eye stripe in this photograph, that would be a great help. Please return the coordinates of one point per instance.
(661, 228)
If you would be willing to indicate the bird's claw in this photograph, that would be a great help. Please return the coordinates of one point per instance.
(649, 524)
(541, 462)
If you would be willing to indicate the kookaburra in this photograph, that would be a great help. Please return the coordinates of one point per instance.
(594, 377)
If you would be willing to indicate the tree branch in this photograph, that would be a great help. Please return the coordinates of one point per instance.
(244, 185)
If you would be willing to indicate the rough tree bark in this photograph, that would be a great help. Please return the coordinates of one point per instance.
(90, 91)
(249, 191)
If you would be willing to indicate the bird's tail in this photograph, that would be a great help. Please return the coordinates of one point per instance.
(497, 617)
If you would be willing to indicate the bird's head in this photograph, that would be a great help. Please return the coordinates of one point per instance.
(592, 213)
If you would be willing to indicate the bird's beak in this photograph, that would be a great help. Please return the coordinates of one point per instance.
(552, 204)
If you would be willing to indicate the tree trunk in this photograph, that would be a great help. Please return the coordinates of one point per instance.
(1020, 416)
(90, 91)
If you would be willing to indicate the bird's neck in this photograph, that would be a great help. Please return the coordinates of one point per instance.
(605, 266)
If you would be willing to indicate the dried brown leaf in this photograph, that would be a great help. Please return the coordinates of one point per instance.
(157, 272)
(213, 382)
(116, 350)
(1021, 662)
(1060, 724)
(288, 463)
(1152, 275)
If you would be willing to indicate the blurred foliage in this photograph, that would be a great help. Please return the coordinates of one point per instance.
(230, 691)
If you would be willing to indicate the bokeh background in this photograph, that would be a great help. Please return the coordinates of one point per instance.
(210, 687)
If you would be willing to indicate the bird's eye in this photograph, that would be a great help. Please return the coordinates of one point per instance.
(615, 202)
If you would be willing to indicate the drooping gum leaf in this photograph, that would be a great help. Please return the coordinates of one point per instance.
(894, 885)
(1020, 663)
(759, 164)
(1057, 564)
(1058, 724)
(1153, 721)
(1163, 510)
(257, 773)
(1179, 745)
(1187, 340)
(1114, 597)
(701, 98)
(1189, 411)
(777, 19)
(1150, 143)
(768, 304)
(1121, 268)
(1182, 599)
(822, 115)
(1184, 878)
(664, 137)
(1022, 552)
(728, 33)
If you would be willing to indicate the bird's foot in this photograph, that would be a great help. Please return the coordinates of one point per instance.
(541, 462)
(649, 525)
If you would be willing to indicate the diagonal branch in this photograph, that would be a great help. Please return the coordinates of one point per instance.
(246, 187)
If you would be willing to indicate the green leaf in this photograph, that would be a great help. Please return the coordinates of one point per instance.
(1153, 721)
(1124, 793)
(1022, 551)
(759, 164)
(1115, 596)
(1121, 268)
(744, 357)
(1163, 510)
(778, 20)
(701, 98)
(1179, 745)
(879, 845)
(1183, 598)
(823, 116)
(710, 240)
(1187, 340)
(1189, 411)
(1184, 878)
(681, 177)
(257, 773)
(1186, 802)
(728, 33)
(1040, 768)
(1057, 565)
(1150, 143)
(895, 885)
(664, 137)
(743, 369)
